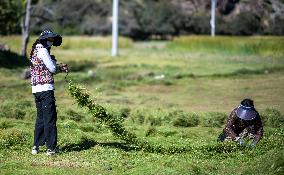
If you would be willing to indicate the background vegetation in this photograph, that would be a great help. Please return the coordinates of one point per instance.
(146, 19)
(173, 95)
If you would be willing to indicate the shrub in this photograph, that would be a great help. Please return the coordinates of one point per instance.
(245, 23)
(272, 117)
(175, 114)
(168, 133)
(12, 138)
(70, 124)
(277, 26)
(87, 128)
(154, 120)
(118, 114)
(124, 112)
(185, 119)
(137, 117)
(213, 119)
(12, 109)
(151, 131)
(5, 124)
(156, 117)
(73, 115)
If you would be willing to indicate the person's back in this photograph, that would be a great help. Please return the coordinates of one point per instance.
(243, 121)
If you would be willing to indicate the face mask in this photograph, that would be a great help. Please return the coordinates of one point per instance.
(49, 43)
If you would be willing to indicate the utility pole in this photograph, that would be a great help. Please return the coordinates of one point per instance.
(212, 21)
(114, 28)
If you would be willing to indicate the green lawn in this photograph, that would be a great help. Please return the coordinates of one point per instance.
(149, 82)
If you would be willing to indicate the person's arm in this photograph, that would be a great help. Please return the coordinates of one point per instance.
(258, 130)
(231, 123)
(229, 126)
(50, 63)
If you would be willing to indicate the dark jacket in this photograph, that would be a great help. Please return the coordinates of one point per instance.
(235, 126)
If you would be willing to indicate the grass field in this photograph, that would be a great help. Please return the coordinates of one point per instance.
(150, 87)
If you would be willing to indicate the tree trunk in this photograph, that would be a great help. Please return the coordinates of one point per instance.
(25, 24)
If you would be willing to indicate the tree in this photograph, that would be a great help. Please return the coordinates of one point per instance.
(9, 17)
(155, 18)
(25, 25)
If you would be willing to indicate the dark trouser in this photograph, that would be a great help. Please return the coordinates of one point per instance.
(45, 126)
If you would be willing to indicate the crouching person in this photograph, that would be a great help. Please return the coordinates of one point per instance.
(244, 121)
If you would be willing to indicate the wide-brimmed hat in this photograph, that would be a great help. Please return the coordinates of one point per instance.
(50, 34)
(246, 113)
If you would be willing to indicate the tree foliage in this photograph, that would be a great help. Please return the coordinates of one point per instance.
(10, 13)
(146, 19)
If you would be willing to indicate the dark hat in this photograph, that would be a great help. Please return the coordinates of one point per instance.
(246, 112)
(50, 34)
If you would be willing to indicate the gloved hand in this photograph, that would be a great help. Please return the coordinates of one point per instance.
(63, 67)
(53, 58)
(240, 141)
(253, 144)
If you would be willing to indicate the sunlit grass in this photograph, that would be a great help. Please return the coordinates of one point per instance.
(69, 43)
(255, 45)
(86, 42)
(196, 79)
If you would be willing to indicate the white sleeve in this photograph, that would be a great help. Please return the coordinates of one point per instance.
(45, 57)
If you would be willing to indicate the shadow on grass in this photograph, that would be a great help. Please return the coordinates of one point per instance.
(76, 66)
(86, 144)
(12, 60)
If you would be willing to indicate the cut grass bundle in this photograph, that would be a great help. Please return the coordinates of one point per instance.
(117, 128)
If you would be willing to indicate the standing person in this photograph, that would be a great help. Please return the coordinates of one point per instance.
(244, 121)
(43, 66)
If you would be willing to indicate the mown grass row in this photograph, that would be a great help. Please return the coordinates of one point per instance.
(14, 138)
(23, 110)
(117, 128)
